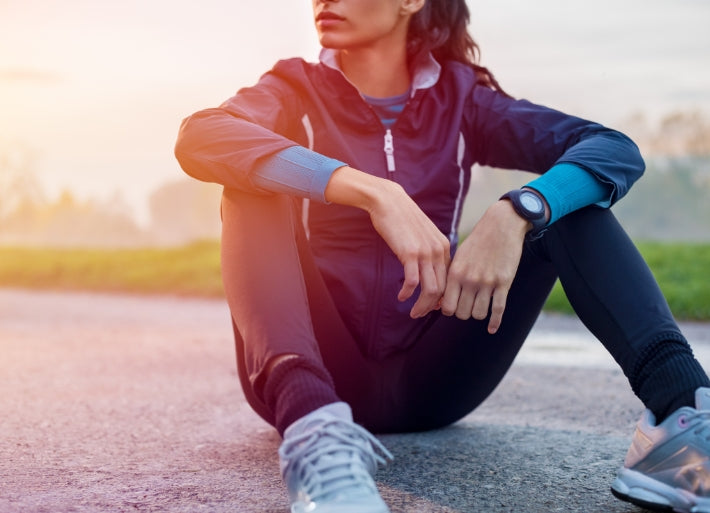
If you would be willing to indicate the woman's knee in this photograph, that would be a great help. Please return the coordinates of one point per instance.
(244, 212)
(585, 222)
(255, 227)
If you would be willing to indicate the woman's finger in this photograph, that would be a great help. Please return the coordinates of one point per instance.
(411, 279)
(429, 293)
(481, 304)
(500, 297)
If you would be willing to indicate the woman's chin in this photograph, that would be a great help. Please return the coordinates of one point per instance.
(333, 41)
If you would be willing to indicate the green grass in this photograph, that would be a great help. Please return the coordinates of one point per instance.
(194, 270)
(682, 273)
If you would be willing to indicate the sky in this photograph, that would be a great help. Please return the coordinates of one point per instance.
(95, 91)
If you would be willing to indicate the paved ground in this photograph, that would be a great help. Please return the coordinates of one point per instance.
(115, 403)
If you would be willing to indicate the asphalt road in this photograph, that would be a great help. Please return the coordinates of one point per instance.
(119, 403)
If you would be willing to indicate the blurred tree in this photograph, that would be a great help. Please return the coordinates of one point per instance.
(18, 182)
(683, 133)
(679, 133)
(27, 217)
(670, 202)
(184, 211)
(68, 222)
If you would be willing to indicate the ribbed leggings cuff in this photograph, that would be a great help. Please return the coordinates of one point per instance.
(296, 387)
(666, 376)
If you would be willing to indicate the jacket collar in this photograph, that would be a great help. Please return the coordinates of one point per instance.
(426, 72)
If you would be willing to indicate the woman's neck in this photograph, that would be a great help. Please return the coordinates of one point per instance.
(376, 73)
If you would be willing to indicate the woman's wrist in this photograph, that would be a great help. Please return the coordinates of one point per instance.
(512, 219)
(348, 186)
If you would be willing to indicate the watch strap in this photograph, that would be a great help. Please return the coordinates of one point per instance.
(538, 221)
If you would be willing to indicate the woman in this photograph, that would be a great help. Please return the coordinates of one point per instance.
(351, 298)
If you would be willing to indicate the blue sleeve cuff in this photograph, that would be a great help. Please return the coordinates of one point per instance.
(567, 188)
(297, 171)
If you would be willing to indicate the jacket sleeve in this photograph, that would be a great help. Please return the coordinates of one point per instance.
(517, 134)
(226, 144)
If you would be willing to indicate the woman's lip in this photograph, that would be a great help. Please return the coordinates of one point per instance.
(328, 16)
(328, 21)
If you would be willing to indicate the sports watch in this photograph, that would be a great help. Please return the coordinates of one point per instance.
(530, 206)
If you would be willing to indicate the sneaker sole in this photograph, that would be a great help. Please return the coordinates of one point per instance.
(342, 508)
(644, 491)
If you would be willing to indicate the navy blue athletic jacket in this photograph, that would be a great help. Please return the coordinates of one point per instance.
(450, 122)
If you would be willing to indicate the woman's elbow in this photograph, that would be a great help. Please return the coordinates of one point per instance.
(185, 149)
(636, 161)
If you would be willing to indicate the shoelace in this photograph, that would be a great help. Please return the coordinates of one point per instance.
(337, 456)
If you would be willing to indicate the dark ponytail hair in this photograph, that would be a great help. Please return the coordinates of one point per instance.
(441, 27)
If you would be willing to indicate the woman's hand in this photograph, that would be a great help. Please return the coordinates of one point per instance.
(423, 250)
(421, 247)
(484, 266)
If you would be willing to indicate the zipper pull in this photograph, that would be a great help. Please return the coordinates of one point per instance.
(389, 150)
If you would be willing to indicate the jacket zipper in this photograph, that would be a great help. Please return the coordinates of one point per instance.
(389, 153)
(375, 305)
(372, 328)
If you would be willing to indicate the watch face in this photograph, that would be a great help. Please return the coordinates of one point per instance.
(531, 202)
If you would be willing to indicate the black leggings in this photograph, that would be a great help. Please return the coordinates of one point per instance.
(280, 305)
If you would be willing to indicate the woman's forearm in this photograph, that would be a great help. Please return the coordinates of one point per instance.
(348, 186)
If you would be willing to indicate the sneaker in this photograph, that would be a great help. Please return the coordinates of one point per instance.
(327, 462)
(668, 465)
